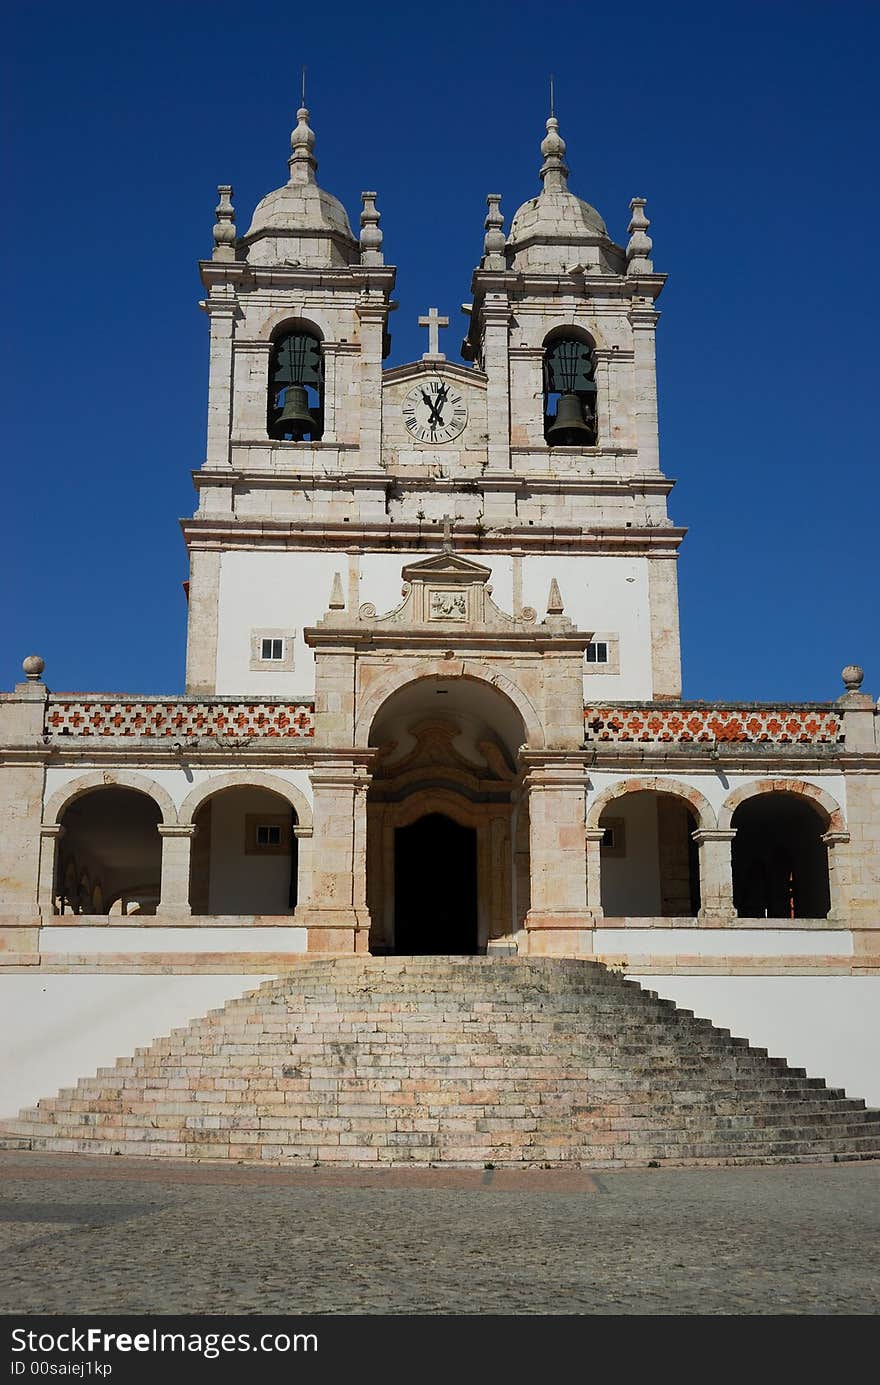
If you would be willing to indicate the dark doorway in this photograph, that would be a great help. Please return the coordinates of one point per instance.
(435, 888)
(780, 863)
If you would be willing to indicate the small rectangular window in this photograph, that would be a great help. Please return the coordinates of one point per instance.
(609, 840)
(597, 653)
(268, 835)
(272, 649)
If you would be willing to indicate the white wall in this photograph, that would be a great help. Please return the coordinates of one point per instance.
(291, 591)
(57, 1029)
(723, 942)
(631, 883)
(607, 594)
(241, 882)
(90, 940)
(829, 1025)
(276, 591)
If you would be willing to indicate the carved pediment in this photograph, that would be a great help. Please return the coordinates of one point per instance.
(448, 566)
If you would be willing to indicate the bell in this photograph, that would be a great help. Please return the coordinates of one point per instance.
(295, 417)
(568, 428)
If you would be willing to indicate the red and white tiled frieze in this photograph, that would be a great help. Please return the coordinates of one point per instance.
(182, 720)
(683, 724)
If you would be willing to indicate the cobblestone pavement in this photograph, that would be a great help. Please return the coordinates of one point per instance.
(86, 1235)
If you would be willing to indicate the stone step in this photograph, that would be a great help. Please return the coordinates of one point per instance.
(463, 1060)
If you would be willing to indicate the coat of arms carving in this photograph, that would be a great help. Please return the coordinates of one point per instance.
(448, 605)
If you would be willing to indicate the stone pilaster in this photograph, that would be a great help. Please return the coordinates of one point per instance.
(203, 621)
(176, 852)
(496, 363)
(336, 913)
(372, 311)
(665, 637)
(220, 307)
(716, 872)
(560, 919)
(22, 716)
(643, 320)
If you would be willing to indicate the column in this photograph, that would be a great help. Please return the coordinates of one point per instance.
(50, 835)
(595, 837)
(304, 838)
(560, 921)
(839, 887)
(336, 913)
(176, 851)
(716, 874)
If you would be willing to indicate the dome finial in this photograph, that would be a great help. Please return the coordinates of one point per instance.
(302, 162)
(554, 171)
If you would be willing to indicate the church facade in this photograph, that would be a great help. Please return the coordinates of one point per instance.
(433, 685)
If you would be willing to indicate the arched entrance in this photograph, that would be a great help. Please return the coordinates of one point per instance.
(435, 887)
(780, 863)
(109, 856)
(447, 825)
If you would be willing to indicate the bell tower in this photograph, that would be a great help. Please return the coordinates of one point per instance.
(298, 310)
(325, 471)
(562, 323)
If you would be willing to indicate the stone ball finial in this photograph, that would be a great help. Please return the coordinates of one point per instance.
(852, 677)
(33, 667)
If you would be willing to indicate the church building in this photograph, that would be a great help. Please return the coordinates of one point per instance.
(433, 681)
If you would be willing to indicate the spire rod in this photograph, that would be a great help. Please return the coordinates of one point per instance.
(303, 102)
(552, 98)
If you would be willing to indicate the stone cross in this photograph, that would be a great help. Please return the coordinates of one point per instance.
(447, 533)
(433, 322)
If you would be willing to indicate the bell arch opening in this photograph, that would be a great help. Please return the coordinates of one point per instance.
(779, 861)
(569, 376)
(649, 859)
(244, 854)
(447, 824)
(109, 855)
(295, 399)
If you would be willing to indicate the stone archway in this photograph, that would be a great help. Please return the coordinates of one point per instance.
(824, 804)
(447, 758)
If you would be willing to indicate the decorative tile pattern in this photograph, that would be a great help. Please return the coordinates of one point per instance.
(182, 720)
(681, 723)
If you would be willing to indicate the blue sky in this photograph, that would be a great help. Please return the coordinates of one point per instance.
(750, 128)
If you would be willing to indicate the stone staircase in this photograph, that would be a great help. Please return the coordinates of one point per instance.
(467, 1061)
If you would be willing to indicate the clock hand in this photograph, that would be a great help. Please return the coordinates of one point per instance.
(437, 405)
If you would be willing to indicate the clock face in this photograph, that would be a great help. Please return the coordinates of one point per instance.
(434, 411)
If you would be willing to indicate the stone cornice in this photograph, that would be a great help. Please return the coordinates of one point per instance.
(414, 478)
(204, 531)
(243, 275)
(384, 636)
(468, 375)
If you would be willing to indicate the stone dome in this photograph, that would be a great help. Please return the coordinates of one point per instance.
(556, 230)
(300, 207)
(300, 222)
